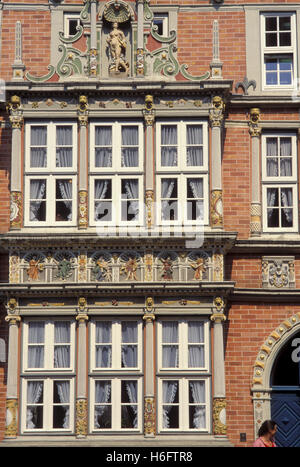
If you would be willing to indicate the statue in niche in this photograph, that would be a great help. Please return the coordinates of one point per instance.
(199, 267)
(130, 268)
(167, 269)
(34, 269)
(117, 50)
(101, 270)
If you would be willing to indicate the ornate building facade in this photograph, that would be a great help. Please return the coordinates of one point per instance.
(149, 220)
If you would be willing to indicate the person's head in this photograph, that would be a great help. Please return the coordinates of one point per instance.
(268, 427)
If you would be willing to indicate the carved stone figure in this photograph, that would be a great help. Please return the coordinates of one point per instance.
(64, 269)
(130, 268)
(101, 270)
(167, 269)
(199, 267)
(117, 50)
(34, 268)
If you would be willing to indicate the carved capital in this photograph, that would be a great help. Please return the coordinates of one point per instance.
(14, 108)
(11, 430)
(216, 113)
(82, 318)
(149, 317)
(219, 416)
(13, 319)
(81, 418)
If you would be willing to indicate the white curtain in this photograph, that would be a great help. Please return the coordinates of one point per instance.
(194, 153)
(196, 352)
(63, 389)
(286, 157)
(132, 192)
(34, 391)
(102, 396)
(169, 145)
(130, 150)
(287, 202)
(198, 393)
(37, 192)
(64, 149)
(169, 393)
(101, 187)
(271, 200)
(131, 388)
(129, 352)
(103, 352)
(170, 336)
(196, 185)
(65, 187)
(103, 146)
(272, 157)
(167, 186)
(62, 352)
(36, 335)
(38, 151)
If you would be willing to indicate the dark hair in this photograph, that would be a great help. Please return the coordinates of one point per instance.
(266, 427)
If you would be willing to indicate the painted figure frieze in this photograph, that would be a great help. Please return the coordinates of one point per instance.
(278, 272)
(115, 266)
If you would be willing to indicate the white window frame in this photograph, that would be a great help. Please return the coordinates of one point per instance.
(278, 51)
(278, 135)
(48, 347)
(295, 208)
(116, 347)
(50, 200)
(183, 346)
(116, 147)
(116, 404)
(165, 22)
(116, 200)
(181, 145)
(67, 18)
(51, 147)
(184, 404)
(182, 201)
(47, 406)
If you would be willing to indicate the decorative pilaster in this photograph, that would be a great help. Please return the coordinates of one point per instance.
(81, 401)
(219, 400)
(18, 65)
(15, 111)
(83, 112)
(93, 48)
(13, 319)
(216, 117)
(149, 117)
(216, 64)
(255, 133)
(149, 399)
(140, 39)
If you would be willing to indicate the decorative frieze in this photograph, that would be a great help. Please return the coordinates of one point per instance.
(278, 272)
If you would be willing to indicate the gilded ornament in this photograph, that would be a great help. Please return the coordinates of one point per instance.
(149, 304)
(148, 260)
(149, 205)
(83, 197)
(216, 208)
(16, 210)
(166, 268)
(81, 417)
(254, 128)
(216, 113)
(101, 270)
(82, 304)
(11, 430)
(219, 416)
(129, 269)
(149, 416)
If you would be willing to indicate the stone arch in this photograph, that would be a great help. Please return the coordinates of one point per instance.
(265, 359)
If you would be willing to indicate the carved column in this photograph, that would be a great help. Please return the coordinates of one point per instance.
(149, 399)
(255, 133)
(11, 430)
(16, 200)
(216, 117)
(149, 118)
(140, 39)
(81, 399)
(82, 111)
(93, 46)
(219, 400)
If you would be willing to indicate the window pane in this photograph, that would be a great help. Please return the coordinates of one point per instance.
(285, 23)
(103, 135)
(285, 39)
(103, 151)
(36, 356)
(35, 392)
(130, 135)
(168, 135)
(170, 332)
(271, 39)
(170, 352)
(62, 330)
(271, 23)
(36, 332)
(102, 392)
(64, 193)
(195, 332)
(129, 413)
(103, 416)
(103, 356)
(64, 150)
(103, 209)
(170, 412)
(103, 332)
(34, 413)
(130, 191)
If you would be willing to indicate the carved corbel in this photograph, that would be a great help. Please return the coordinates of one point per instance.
(149, 112)
(254, 128)
(219, 310)
(83, 110)
(216, 113)
(15, 110)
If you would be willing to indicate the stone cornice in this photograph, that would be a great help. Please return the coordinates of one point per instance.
(270, 295)
(268, 245)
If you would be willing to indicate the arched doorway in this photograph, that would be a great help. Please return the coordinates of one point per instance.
(285, 393)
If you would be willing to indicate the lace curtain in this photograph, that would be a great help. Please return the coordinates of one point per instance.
(196, 352)
(102, 396)
(38, 149)
(36, 335)
(170, 352)
(103, 146)
(194, 137)
(273, 157)
(198, 394)
(34, 392)
(101, 187)
(167, 186)
(132, 192)
(169, 145)
(37, 194)
(62, 352)
(65, 187)
(169, 393)
(131, 388)
(63, 389)
(103, 352)
(196, 185)
(129, 352)
(64, 148)
(130, 146)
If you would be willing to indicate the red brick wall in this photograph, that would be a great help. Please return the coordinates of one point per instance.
(3, 372)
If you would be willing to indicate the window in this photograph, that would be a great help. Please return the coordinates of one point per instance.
(47, 404)
(279, 177)
(182, 169)
(161, 21)
(50, 174)
(72, 24)
(279, 49)
(117, 345)
(117, 150)
(48, 345)
(117, 404)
